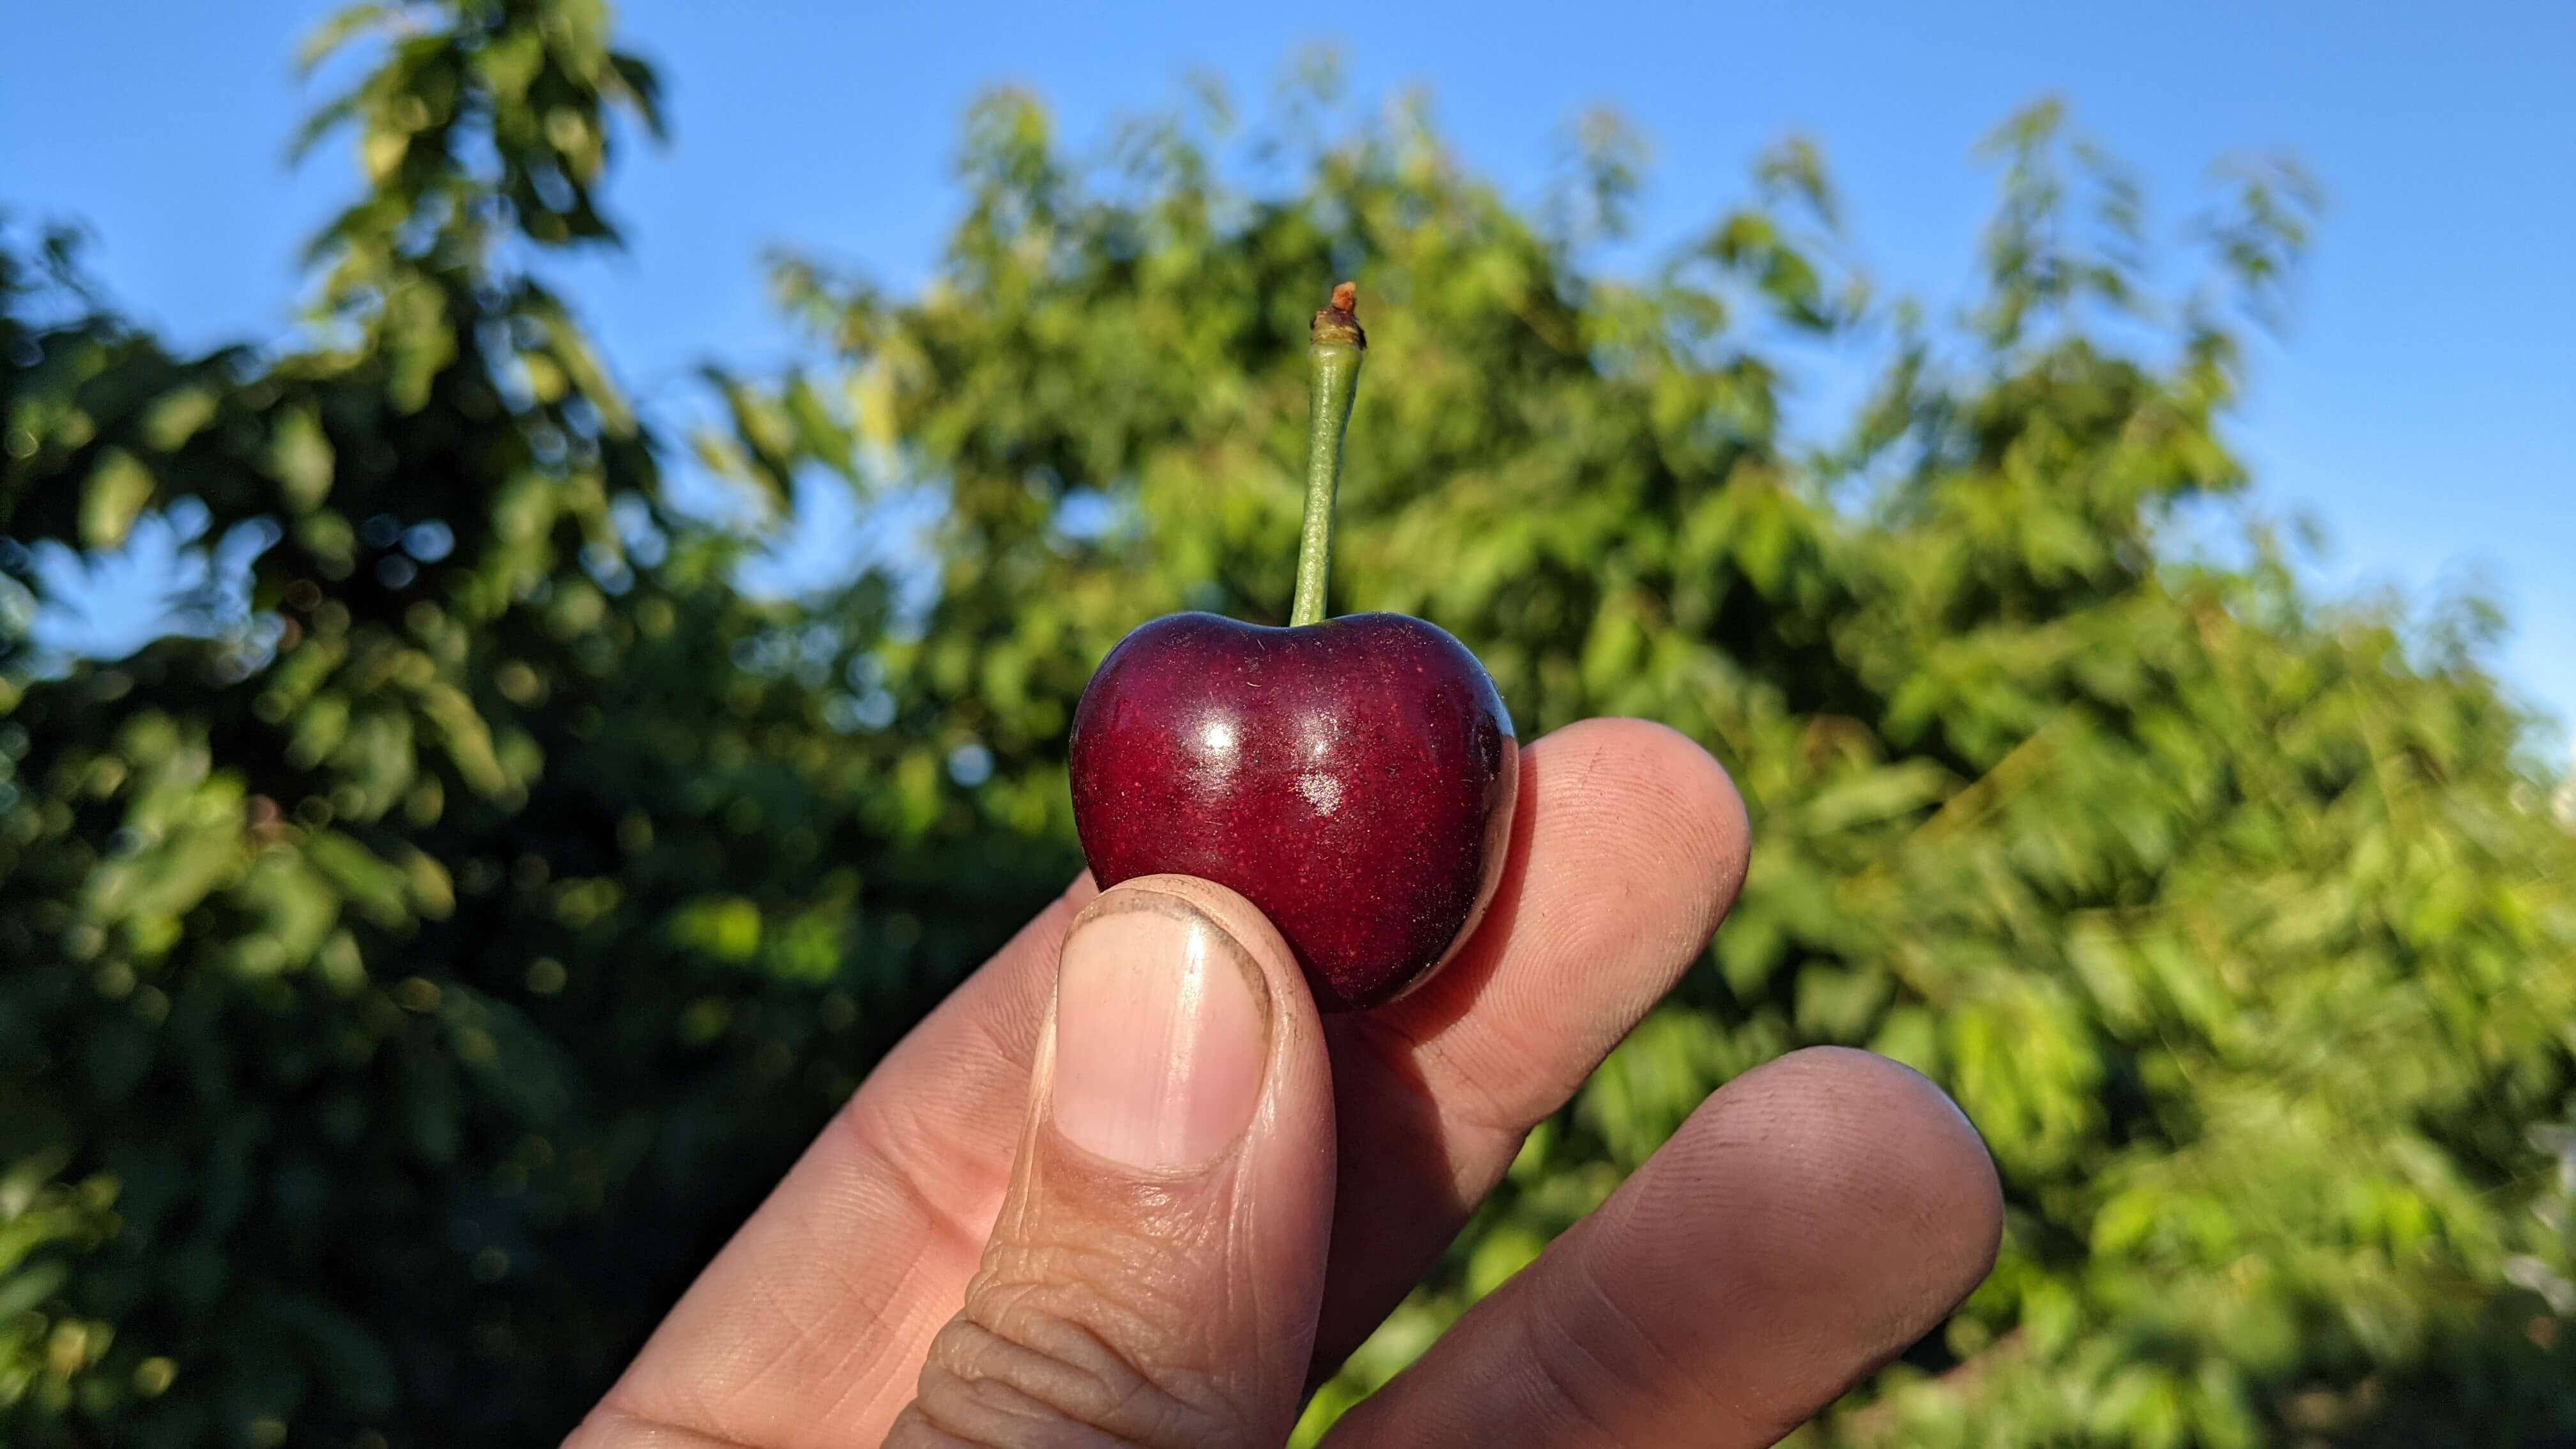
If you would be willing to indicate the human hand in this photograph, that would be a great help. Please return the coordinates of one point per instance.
(1151, 1206)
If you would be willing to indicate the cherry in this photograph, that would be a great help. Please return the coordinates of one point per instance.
(1352, 777)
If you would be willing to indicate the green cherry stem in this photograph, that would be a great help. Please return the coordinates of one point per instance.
(1333, 370)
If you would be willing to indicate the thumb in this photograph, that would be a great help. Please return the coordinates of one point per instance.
(1154, 1274)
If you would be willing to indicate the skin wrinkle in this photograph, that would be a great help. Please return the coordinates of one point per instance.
(981, 1414)
(884, 1376)
(908, 1133)
(1552, 1353)
(944, 1226)
(693, 1403)
(1575, 1319)
(1017, 1296)
(874, 1300)
(1614, 1317)
(1030, 1420)
(628, 1430)
(988, 1392)
(891, 1375)
(887, 1374)
(809, 1331)
(1061, 1368)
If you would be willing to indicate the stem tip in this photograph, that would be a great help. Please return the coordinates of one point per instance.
(1340, 322)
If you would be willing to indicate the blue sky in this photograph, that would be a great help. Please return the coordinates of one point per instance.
(2424, 406)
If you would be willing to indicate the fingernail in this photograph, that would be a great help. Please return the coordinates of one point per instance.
(1160, 1037)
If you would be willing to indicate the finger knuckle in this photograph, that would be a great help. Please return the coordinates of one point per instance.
(1048, 1365)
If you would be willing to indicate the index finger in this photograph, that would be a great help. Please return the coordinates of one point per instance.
(1628, 846)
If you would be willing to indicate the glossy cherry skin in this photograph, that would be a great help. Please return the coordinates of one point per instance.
(1354, 779)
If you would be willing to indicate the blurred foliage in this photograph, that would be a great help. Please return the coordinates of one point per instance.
(422, 955)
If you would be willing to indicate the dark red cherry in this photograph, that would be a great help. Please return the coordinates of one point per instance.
(1353, 778)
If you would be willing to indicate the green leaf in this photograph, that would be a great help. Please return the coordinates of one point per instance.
(341, 28)
(117, 491)
(726, 928)
(300, 458)
(22, 1289)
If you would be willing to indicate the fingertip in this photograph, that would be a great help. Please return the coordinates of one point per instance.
(1653, 828)
(1813, 1219)
(1877, 1174)
(1962, 1185)
(1658, 784)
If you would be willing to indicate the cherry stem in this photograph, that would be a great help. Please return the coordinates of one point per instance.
(1333, 372)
